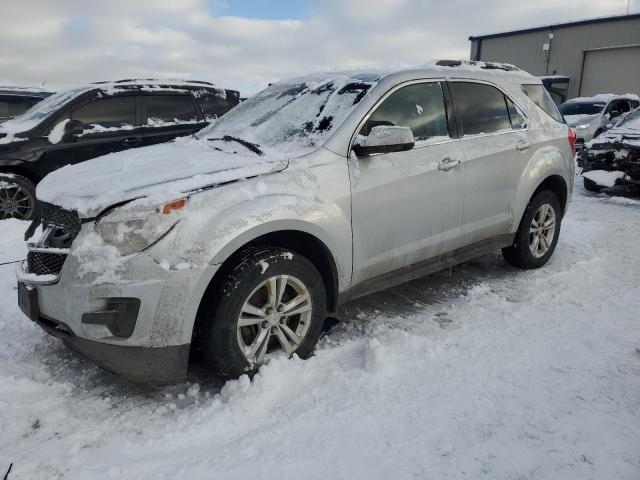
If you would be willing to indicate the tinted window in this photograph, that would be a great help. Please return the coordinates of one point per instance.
(634, 103)
(169, 108)
(517, 119)
(480, 108)
(419, 106)
(213, 106)
(581, 108)
(620, 106)
(107, 112)
(539, 95)
(11, 106)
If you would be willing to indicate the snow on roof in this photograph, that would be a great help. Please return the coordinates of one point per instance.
(154, 85)
(603, 97)
(12, 89)
(434, 67)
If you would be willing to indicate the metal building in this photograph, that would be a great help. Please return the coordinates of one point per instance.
(601, 55)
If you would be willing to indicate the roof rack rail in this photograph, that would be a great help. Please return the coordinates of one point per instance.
(154, 80)
(486, 65)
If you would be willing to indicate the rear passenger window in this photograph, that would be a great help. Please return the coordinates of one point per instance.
(540, 96)
(480, 108)
(161, 109)
(107, 112)
(213, 106)
(419, 106)
(517, 119)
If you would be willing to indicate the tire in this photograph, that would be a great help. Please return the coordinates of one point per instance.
(241, 290)
(521, 253)
(591, 185)
(17, 197)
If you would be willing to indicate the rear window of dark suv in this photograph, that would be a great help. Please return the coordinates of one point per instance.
(540, 96)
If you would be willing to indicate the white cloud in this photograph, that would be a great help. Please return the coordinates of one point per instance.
(70, 42)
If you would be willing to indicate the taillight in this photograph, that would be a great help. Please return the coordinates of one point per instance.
(572, 140)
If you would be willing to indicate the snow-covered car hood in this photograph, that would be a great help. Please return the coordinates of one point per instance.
(573, 120)
(158, 174)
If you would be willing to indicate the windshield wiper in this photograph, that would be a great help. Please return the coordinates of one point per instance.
(250, 146)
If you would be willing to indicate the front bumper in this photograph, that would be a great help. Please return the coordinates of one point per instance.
(156, 349)
(154, 366)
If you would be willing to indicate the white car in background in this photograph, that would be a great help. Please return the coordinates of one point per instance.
(590, 116)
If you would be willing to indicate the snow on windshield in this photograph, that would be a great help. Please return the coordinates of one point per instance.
(293, 117)
(41, 110)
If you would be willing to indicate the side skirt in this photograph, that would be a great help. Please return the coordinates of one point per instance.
(426, 267)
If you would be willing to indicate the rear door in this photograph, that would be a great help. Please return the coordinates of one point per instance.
(167, 116)
(496, 148)
(108, 124)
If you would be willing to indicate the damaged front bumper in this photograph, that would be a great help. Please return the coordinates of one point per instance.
(613, 166)
(139, 327)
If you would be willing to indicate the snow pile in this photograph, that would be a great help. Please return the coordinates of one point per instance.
(603, 177)
(57, 132)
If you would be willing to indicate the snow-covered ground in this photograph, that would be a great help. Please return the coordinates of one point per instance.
(484, 372)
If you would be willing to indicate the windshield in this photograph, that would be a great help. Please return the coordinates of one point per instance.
(581, 108)
(293, 117)
(42, 110)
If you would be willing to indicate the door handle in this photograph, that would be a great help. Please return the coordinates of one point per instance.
(448, 163)
(132, 141)
(522, 145)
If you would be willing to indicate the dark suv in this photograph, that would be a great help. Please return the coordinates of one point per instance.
(15, 100)
(87, 122)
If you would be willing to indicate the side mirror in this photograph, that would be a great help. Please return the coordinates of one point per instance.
(384, 139)
(71, 129)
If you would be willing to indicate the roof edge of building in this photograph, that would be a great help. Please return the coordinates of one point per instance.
(613, 18)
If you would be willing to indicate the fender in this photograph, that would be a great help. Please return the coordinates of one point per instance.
(546, 162)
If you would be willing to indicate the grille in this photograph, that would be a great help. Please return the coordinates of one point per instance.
(65, 219)
(45, 263)
(67, 226)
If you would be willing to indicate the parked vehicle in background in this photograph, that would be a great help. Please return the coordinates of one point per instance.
(15, 100)
(611, 162)
(590, 116)
(87, 122)
(315, 191)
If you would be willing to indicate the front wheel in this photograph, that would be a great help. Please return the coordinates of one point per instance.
(17, 197)
(537, 234)
(272, 303)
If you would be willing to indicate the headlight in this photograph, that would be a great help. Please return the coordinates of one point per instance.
(132, 230)
(582, 126)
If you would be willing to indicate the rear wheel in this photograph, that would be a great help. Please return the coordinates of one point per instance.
(272, 303)
(17, 197)
(537, 234)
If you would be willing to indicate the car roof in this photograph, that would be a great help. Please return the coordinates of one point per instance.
(24, 91)
(603, 98)
(491, 71)
(157, 85)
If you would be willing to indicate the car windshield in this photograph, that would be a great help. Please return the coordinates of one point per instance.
(41, 110)
(581, 108)
(293, 117)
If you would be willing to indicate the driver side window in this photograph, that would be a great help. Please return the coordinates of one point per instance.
(419, 106)
(107, 112)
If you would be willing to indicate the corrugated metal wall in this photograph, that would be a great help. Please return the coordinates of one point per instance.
(568, 47)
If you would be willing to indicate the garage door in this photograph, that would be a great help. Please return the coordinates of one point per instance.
(612, 70)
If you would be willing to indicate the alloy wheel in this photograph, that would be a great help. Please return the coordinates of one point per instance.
(274, 319)
(15, 201)
(542, 230)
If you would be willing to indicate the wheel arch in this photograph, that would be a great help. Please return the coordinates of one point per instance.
(299, 241)
(558, 186)
(22, 171)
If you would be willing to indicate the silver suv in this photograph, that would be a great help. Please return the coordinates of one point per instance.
(590, 116)
(315, 191)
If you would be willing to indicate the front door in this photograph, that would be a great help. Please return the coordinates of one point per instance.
(107, 125)
(407, 206)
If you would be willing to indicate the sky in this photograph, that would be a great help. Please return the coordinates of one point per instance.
(245, 44)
